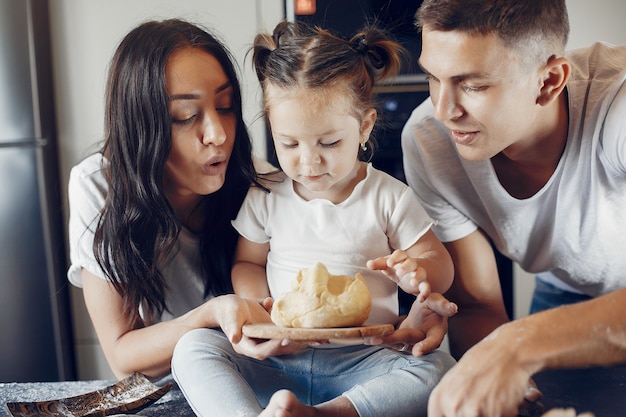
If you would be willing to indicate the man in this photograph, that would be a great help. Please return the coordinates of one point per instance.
(524, 147)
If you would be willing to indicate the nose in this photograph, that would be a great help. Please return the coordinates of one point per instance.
(446, 103)
(309, 156)
(213, 131)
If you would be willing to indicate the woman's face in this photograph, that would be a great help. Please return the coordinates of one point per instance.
(203, 125)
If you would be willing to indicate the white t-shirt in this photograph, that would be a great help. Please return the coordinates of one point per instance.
(575, 226)
(87, 191)
(381, 214)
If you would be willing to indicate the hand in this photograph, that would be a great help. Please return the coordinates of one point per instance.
(404, 271)
(487, 381)
(237, 311)
(424, 328)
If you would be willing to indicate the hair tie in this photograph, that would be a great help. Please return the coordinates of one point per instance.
(361, 45)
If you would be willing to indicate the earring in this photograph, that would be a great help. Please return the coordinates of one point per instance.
(364, 146)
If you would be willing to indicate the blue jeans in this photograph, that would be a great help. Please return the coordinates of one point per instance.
(216, 381)
(548, 296)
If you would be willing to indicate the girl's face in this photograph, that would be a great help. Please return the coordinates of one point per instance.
(317, 141)
(203, 125)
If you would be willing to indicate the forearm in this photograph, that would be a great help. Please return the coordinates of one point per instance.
(249, 281)
(149, 349)
(583, 334)
(439, 269)
(470, 325)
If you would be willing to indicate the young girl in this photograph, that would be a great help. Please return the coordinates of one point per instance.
(330, 207)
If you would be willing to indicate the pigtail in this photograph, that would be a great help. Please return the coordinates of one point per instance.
(382, 55)
(263, 46)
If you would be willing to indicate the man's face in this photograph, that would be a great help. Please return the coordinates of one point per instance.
(482, 91)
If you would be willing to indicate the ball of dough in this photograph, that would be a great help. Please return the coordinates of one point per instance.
(320, 300)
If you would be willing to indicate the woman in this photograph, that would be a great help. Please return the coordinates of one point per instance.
(150, 237)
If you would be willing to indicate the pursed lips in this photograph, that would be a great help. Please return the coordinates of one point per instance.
(214, 165)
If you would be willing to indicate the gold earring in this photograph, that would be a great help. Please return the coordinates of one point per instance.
(364, 146)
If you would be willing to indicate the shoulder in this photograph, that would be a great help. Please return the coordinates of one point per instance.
(273, 181)
(601, 63)
(379, 178)
(87, 178)
(422, 130)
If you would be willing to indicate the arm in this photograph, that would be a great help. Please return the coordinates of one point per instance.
(476, 290)
(248, 274)
(492, 377)
(148, 349)
(424, 267)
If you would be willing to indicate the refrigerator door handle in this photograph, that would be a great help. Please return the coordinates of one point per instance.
(33, 143)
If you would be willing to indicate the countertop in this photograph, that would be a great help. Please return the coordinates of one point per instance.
(601, 391)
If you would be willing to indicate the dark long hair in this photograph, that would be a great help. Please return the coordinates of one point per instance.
(137, 230)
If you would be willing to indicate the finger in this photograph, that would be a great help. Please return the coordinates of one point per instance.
(378, 264)
(267, 303)
(404, 266)
(424, 290)
(532, 392)
(434, 406)
(441, 305)
(432, 341)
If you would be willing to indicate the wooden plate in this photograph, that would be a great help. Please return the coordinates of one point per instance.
(272, 331)
(128, 395)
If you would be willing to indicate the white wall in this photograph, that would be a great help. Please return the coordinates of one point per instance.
(86, 32)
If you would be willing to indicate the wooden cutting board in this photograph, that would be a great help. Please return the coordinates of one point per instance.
(272, 331)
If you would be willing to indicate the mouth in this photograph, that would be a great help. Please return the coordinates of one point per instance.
(313, 177)
(463, 137)
(215, 165)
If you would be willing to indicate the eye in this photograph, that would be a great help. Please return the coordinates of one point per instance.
(224, 102)
(473, 89)
(289, 145)
(184, 120)
(226, 109)
(330, 145)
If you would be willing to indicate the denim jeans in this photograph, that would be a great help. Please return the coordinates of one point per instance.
(548, 296)
(216, 381)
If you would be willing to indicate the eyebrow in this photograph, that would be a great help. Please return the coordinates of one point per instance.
(460, 77)
(192, 96)
(320, 135)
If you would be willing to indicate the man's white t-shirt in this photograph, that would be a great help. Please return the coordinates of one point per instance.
(574, 226)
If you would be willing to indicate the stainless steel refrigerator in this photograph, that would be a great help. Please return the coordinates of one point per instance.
(35, 320)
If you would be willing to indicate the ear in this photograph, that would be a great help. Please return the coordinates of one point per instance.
(367, 124)
(554, 75)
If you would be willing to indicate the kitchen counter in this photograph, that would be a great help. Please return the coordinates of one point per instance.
(172, 404)
(598, 390)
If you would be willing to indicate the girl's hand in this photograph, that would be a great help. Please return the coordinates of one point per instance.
(404, 271)
(424, 328)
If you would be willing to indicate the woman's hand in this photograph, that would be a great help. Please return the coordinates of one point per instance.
(237, 311)
(424, 328)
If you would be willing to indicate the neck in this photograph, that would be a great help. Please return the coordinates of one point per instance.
(187, 210)
(524, 168)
